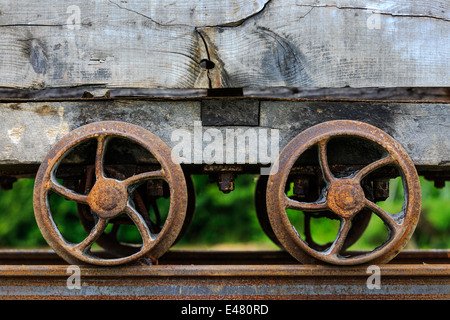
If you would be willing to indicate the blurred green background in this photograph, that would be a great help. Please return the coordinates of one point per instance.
(230, 219)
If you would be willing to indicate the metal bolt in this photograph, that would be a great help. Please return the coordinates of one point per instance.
(381, 190)
(439, 183)
(6, 183)
(225, 181)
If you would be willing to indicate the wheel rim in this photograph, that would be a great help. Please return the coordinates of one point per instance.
(343, 196)
(110, 197)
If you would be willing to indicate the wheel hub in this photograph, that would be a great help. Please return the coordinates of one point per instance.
(108, 198)
(345, 197)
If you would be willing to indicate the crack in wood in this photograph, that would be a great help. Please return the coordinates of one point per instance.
(148, 17)
(373, 10)
(207, 54)
(227, 24)
(241, 21)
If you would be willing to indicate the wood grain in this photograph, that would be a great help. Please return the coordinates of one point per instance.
(252, 43)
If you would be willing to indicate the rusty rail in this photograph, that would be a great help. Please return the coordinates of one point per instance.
(224, 275)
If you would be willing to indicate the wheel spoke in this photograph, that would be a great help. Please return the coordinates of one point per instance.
(101, 145)
(308, 236)
(373, 166)
(305, 206)
(142, 226)
(67, 193)
(340, 239)
(141, 177)
(393, 221)
(323, 160)
(95, 233)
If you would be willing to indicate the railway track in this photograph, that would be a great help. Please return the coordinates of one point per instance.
(224, 275)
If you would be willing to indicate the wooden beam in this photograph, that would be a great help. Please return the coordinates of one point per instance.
(29, 129)
(259, 43)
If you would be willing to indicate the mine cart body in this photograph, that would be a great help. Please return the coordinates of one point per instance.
(112, 104)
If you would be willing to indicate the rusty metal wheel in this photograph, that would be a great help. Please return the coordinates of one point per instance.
(343, 196)
(359, 223)
(110, 199)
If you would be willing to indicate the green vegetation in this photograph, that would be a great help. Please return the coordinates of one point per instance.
(229, 218)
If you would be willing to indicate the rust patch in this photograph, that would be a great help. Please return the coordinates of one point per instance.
(46, 110)
(15, 106)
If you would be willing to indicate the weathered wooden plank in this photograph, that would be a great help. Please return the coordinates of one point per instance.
(43, 46)
(229, 112)
(299, 43)
(254, 43)
(29, 129)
